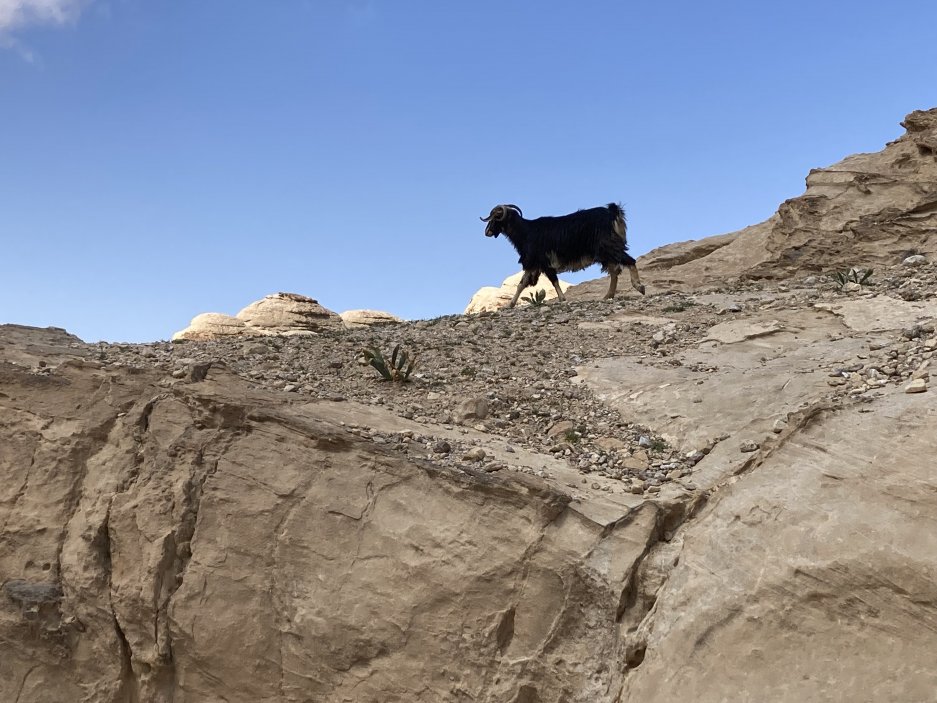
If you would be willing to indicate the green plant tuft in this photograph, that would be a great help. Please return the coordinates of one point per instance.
(399, 369)
(537, 299)
(572, 436)
(853, 275)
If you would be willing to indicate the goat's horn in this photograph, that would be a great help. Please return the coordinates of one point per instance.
(519, 211)
(497, 212)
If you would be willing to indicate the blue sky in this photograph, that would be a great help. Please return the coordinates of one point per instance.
(162, 159)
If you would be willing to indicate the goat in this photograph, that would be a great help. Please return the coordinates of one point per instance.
(552, 245)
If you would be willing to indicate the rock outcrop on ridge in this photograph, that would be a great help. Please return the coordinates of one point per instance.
(278, 314)
(719, 493)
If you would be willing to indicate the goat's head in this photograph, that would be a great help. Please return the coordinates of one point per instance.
(499, 217)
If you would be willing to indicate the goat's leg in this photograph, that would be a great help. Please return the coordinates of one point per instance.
(554, 279)
(635, 279)
(612, 282)
(528, 279)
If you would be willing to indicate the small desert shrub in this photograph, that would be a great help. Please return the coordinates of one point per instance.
(400, 366)
(679, 306)
(853, 275)
(537, 299)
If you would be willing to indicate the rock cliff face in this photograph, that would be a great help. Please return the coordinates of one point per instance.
(724, 493)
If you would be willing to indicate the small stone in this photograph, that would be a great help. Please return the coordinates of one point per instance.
(918, 385)
(695, 457)
(560, 428)
(749, 446)
(915, 260)
(442, 447)
(473, 409)
(779, 425)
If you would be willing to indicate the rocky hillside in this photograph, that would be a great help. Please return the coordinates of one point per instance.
(721, 491)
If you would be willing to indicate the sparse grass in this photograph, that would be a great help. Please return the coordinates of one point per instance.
(679, 306)
(537, 299)
(658, 445)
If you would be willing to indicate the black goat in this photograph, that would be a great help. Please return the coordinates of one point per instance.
(551, 245)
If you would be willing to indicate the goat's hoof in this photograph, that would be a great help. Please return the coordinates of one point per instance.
(641, 290)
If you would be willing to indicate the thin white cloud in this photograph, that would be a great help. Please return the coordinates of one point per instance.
(19, 13)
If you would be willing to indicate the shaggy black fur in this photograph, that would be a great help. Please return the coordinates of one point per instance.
(552, 245)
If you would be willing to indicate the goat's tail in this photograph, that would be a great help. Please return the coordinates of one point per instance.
(619, 224)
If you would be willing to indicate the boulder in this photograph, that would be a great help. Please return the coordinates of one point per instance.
(287, 314)
(211, 325)
(367, 318)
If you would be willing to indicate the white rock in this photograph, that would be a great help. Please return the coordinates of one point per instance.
(210, 325)
(283, 313)
(367, 318)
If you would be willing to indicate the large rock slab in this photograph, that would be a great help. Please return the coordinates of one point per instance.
(742, 378)
(137, 508)
(812, 577)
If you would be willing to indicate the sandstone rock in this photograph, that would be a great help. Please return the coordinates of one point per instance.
(918, 385)
(146, 532)
(366, 318)
(490, 298)
(288, 313)
(745, 614)
(915, 260)
(211, 325)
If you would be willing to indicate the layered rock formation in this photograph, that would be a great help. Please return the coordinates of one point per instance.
(367, 318)
(279, 314)
(288, 313)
